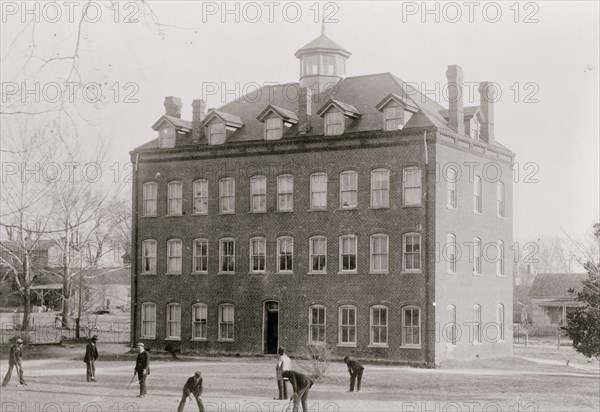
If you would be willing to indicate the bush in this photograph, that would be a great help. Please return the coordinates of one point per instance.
(25, 336)
(317, 357)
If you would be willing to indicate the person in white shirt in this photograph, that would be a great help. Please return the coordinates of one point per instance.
(283, 364)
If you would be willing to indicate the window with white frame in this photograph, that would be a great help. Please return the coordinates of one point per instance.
(348, 189)
(173, 321)
(412, 185)
(451, 188)
(328, 68)
(226, 256)
(500, 321)
(393, 118)
(474, 128)
(477, 201)
(199, 321)
(500, 199)
(347, 325)
(258, 254)
(227, 195)
(149, 194)
(285, 192)
(200, 256)
(174, 258)
(318, 254)
(348, 253)
(411, 252)
(200, 188)
(411, 326)
(450, 249)
(450, 331)
(318, 191)
(216, 133)
(226, 322)
(285, 254)
(334, 123)
(500, 258)
(148, 320)
(174, 198)
(379, 326)
(258, 194)
(379, 253)
(380, 188)
(149, 256)
(477, 256)
(476, 324)
(273, 128)
(317, 324)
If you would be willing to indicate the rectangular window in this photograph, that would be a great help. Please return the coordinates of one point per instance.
(258, 255)
(285, 192)
(393, 118)
(285, 254)
(175, 197)
(476, 324)
(380, 188)
(379, 253)
(451, 188)
(318, 191)
(148, 320)
(348, 253)
(226, 322)
(451, 330)
(348, 189)
(317, 324)
(500, 259)
(477, 201)
(347, 325)
(412, 185)
(149, 256)
(449, 253)
(200, 256)
(411, 327)
(318, 255)
(500, 199)
(554, 314)
(500, 319)
(227, 256)
(217, 134)
(334, 123)
(273, 128)
(477, 256)
(412, 252)
(200, 197)
(199, 321)
(227, 195)
(379, 326)
(174, 257)
(258, 194)
(149, 195)
(173, 321)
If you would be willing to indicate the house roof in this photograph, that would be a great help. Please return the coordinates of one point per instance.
(554, 285)
(108, 276)
(322, 43)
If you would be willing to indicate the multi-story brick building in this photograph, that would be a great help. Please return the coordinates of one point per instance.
(352, 211)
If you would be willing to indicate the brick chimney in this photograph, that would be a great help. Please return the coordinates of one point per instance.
(456, 117)
(198, 113)
(304, 110)
(173, 106)
(487, 95)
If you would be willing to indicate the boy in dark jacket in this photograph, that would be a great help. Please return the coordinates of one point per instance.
(355, 370)
(14, 360)
(91, 355)
(192, 386)
(301, 384)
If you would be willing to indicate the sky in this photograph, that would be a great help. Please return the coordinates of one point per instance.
(544, 57)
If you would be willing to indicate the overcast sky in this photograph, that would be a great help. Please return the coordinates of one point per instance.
(543, 55)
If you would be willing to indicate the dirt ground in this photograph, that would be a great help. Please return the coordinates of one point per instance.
(531, 381)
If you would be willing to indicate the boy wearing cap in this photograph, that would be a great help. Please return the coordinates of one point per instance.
(14, 360)
(192, 386)
(91, 355)
(355, 370)
(142, 367)
(301, 383)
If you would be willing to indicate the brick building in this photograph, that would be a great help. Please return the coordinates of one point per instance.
(352, 211)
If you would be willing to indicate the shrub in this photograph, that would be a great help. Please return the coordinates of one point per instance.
(317, 357)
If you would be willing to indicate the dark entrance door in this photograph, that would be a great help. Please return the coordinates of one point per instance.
(271, 327)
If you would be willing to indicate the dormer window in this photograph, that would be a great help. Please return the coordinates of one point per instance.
(166, 136)
(334, 123)
(273, 128)
(396, 112)
(216, 134)
(474, 128)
